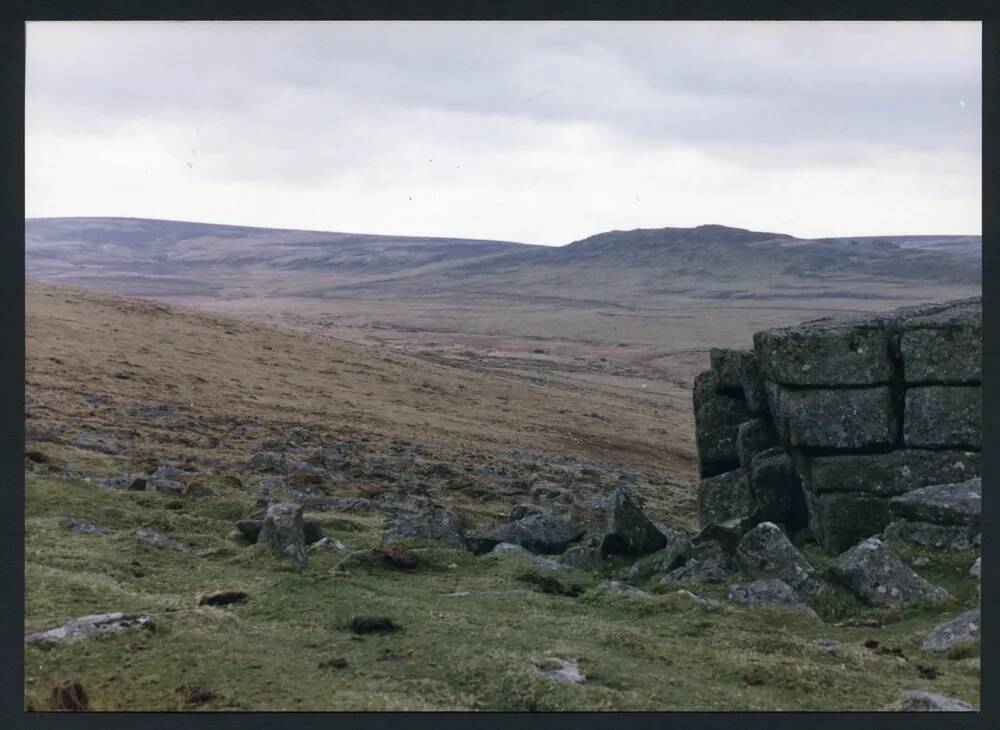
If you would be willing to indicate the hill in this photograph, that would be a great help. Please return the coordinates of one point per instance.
(221, 415)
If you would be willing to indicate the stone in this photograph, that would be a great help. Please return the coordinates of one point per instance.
(545, 532)
(283, 532)
(826, 353)
(250, 529)
(942, 504)
(976, 571)
(85, 626)
(724, 497)
(707, 563)
(617, 586)
(266, 461)
(942, 416)
(839, 520)
(846, 418)
(768, 593)
(125, 482)
(106, 443)
(717, 423)
(627, 531)
(327, 543)
(765, 552)
(84, 527)
(434, 523)
(928, 534)
(565, 671)
(964, 627)
(944, 347)
(891, 473)
(700, 600)
(776, 489)
(753, 437)
(675, 552)
(506, 548)
(920, 701)
(156, 540)
(170, 472)
(581, 557)
(164, 486)
(877, 576)
(726, 534)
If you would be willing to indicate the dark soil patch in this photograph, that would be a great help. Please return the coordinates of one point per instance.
(397, 558)
(222, 598)
(196, 695)
(548, 584)
(69, 697)
(373, 625)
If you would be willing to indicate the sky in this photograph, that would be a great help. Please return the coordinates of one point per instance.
(537, 132)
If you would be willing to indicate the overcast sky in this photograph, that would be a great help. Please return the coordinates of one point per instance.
(533, 132)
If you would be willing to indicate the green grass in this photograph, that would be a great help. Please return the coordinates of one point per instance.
(663, 652)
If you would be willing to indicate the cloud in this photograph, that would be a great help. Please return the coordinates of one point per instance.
(541, 132)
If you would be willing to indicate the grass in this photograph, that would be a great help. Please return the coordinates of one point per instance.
(662, 652)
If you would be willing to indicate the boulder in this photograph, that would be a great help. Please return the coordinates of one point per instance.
(940, 537)
(768, 593)
(920, 701)
(156, 540)
(826, 352)
(726, 534)
(545, 532)
(581, 557)
(431, 524)
(707, 563)
(753, 437)
(85, 527)
(944, 346)
(776, 489)
(839, 520)
(101, 623)
(961, 628)
(847, 418)
(942, 416)
(737, 373)
(889, 474)
(724, 497)
(506, 548)
(942, 504)
(283, 532)
(765, 552)
(877, 576)
(627, 531)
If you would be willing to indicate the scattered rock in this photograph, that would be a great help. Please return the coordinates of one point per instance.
(544, 531)
(876, 575)
(581, 557)
(328, 543)
(768, 593)
(663, 561)
(566, 671)
(976, 571)
(100, 623)
(105, 443)
(156, 540)
(707, 563)
(627, 531)
(86, 527)
(126, 482)
(222, 598)
(284, 532)
(765, 552)
(196, 695)
(940, 537)
(432, 524)
(920, 701)
(942, 504)
(617, 586)
(961, 628)
(506, 548)
(373, 625)
(69, 697)
(164, 486)
(711, 602)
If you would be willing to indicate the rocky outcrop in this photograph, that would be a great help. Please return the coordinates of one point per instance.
(824, 423)
(540, 530)
(944, 516)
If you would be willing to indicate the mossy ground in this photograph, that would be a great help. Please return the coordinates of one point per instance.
(662, 652)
